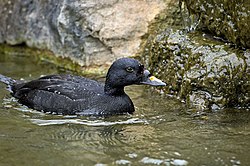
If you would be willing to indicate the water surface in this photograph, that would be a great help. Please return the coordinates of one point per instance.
(161, 131)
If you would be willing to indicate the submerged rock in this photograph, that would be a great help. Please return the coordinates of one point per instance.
(88, 32)
(206, 73)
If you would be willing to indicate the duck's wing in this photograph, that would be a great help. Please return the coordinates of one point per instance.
(64, 94)
(73, 87)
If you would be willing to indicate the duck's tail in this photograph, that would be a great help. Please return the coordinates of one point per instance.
(7, 80)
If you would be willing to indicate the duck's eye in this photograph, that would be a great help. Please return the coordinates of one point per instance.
(129, 69)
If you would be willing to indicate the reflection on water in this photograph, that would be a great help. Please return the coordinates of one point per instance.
(161, 132)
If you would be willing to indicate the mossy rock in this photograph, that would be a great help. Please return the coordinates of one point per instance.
(227, 19)
(206, 73)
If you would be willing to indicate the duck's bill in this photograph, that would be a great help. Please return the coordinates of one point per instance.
(151, 80)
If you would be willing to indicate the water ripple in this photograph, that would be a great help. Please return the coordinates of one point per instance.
(42, 122)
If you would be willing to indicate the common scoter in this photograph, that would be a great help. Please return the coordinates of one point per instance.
(68, 94)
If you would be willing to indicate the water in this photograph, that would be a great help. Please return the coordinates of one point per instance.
(161, 131)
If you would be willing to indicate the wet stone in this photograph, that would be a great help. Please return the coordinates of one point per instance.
(205, 72)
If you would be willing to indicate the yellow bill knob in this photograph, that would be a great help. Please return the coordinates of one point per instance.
(152, 78)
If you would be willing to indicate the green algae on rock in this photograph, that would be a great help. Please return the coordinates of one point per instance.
(206, 73)
(227, 19)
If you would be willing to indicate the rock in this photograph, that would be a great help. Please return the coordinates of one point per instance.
(87, 32)
(205, 72)
(227, 19)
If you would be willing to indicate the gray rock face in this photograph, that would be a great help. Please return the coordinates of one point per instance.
(89, 32)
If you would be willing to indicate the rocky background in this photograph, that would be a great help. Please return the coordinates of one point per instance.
(89, 32)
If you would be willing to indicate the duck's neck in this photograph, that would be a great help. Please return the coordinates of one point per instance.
(114, 91)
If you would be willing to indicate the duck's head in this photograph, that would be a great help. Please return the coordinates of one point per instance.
(128, 71)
